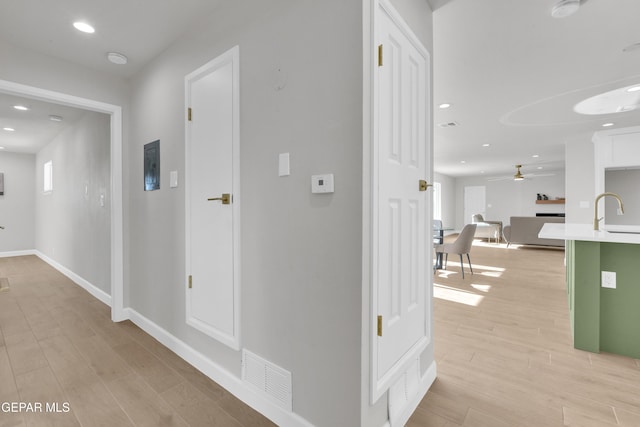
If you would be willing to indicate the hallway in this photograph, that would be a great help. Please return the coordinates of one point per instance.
(59, 347)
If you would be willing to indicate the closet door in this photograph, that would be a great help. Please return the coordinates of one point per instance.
(212, 199)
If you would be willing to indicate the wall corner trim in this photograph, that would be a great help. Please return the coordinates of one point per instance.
(218, 374)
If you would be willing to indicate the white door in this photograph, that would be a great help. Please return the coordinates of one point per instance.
(401, 241)
(474, 202)
(212, 198)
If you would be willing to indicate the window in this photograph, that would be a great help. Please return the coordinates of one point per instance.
(48, 177)
(437, 201)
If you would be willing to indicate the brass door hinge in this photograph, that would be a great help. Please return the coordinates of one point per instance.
(379, 326)
(379, 55)
(190, 281)
(189, 113)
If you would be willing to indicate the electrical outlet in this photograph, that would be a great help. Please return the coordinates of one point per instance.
(609, 279)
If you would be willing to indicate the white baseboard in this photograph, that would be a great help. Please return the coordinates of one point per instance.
(205, 365)
(92, 289)
(17, 253)
(425, 383)
(220, 375)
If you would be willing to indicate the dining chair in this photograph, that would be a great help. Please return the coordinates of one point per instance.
(461, 246)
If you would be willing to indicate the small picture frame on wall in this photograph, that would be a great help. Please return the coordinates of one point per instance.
(152, 166)
(1, 183)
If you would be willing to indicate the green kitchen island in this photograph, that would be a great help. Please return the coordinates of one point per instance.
(602, 318)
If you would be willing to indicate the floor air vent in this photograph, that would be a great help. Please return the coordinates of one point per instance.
(270, 380)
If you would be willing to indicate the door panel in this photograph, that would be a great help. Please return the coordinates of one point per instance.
(401, 212)
(213, 226)
(474, 202)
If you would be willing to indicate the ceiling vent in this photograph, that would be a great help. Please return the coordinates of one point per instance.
(448, 124)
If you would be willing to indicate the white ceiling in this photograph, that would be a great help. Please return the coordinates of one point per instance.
(32, 129)
(511, 71)
(513, 74)
(138, 29)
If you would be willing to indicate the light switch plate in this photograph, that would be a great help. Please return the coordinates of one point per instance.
(173, 179)
(322, 183)
(283, 165)
(609, 279)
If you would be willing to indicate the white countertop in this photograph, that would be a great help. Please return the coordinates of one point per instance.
(587, 233)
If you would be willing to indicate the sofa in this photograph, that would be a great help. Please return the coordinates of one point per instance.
(524, 230)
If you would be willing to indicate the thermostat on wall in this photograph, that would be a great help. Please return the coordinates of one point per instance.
(322, 183)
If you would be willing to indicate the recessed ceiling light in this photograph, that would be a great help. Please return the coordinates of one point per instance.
(445, 105)
(9, 129)
(539, 167)
(606, 125)
(84, 27)
(633, 89)
(21, 107)
(481, 171)
(117, 58)
(55, 118)
(463, 161)
(1, 148)
(535, 156)
(486, 145)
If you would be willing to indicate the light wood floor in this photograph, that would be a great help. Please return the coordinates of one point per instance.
(504, 350)
(502, 339)
(58, 345)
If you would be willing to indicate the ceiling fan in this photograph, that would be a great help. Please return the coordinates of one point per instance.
(518, 176)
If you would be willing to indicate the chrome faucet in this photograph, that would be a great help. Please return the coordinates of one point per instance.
(596, 220)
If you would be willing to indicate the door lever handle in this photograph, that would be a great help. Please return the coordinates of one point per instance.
(226, 199)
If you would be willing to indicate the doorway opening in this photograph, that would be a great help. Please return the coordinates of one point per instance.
(116, 300)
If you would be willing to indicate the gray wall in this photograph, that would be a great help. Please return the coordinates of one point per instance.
(580, 177)
(301, 253)
(507, 198)
(72, 227)
(17, 206)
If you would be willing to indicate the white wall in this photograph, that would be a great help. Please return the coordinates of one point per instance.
(72, 227)
(17, 205)
(625, 184)
(507, 198)
(301, 253)
(302, 285)
(448, 189)
(580, 180)
(31, 68)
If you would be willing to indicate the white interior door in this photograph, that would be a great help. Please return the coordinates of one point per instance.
(401, 240)
(212, 184)
(474, 202)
